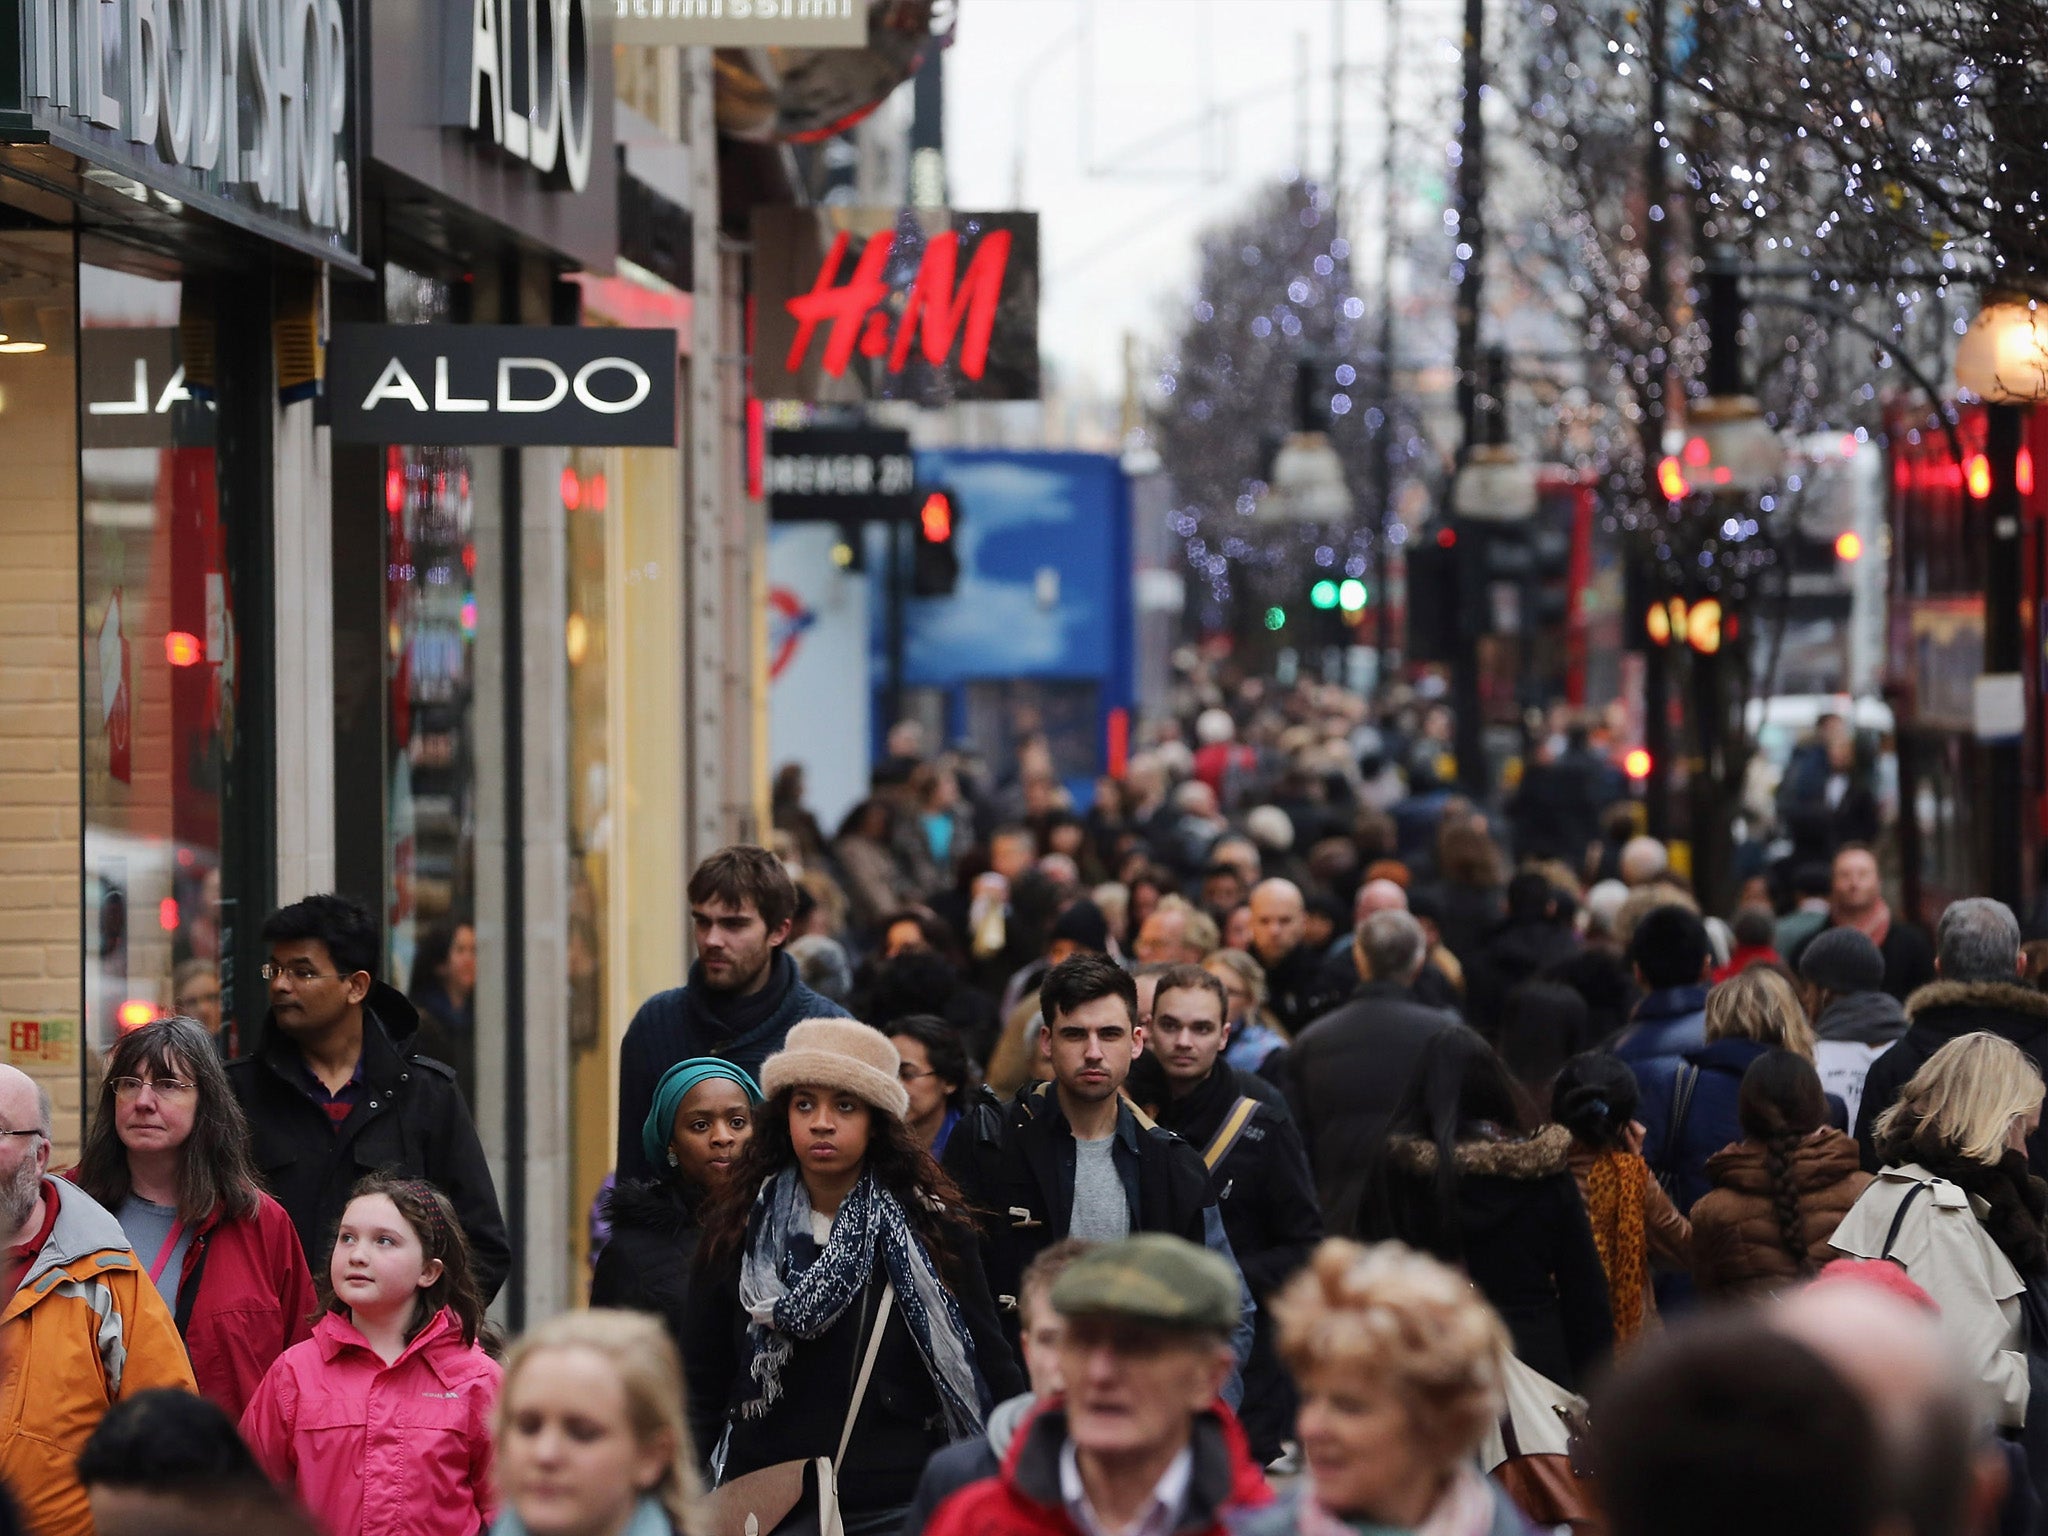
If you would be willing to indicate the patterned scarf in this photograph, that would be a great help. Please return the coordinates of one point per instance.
(1614, 1203)
(792, 1289)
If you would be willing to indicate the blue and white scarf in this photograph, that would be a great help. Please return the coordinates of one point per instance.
(792, 1289)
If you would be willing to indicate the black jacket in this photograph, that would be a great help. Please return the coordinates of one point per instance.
(1520, 1231)
(1015, 1163)
(1345, 1076)
(1269, 1210)
(1299, 988)
(901, 1422)
(412, 1119)
(1908, 958)
(1939, 1014)
(646, 1265)
(675, 1025)
(1517, 952)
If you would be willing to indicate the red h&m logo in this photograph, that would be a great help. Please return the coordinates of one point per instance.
(935, 313)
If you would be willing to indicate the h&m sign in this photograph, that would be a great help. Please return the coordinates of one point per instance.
(512, 385)
(518, 73)
(242, 106)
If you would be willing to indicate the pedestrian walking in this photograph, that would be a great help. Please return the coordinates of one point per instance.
(1671, 957)
(1461, 1178)
(1856, 900)
(1635, 1226)
(1256, 1161)
(700, 1122)
(1954, 1205)
(81, 1327)
(1141, 1440)
(1346, 1074)
(337, 1085)
(1399, 1368)
(741, 998)
(1780, 1192)
(590, 1435)
(1295, 986)
(380, 1422)
(839, 1305)
(168, 1154)
(1071, 1158)
(1855, 1021)
(167, 1461)
(1978, 955)
(1254, 1041)
(936, 1074)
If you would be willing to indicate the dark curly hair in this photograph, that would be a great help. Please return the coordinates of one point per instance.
(928, 1195)
(1780, 1105)
(433, 1221)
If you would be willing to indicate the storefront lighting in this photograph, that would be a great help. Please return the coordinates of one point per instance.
(134, 1013)
(1977, 477)
(2023, 471)
(1671, 480)
(599, 493)
(2003, 358)
(1848, 548)
(576, 639)
(182, 649)
(24, 328)
(167, 914)
(572, 489)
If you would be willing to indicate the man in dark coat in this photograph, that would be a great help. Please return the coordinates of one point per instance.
(1555, 811)
(1978, 956)
(742, 996)
(1072, 1158)
(1672, 957)
(335, 1089)
(1346, 1072)
(1856, 900)
(1295, 987)
(1255, 1158)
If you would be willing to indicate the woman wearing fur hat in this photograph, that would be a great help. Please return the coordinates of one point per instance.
(834, 1216)
(1459, 1178)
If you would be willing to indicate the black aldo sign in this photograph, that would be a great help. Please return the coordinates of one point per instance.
(511, 385)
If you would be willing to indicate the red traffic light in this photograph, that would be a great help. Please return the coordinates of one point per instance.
(1447, 538)
(935, 521)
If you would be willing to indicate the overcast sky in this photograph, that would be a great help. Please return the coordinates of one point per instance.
(1136, 124)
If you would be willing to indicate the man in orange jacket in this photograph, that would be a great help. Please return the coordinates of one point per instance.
(81, 1325)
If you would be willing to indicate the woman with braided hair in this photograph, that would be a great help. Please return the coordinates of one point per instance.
(1780, 1192)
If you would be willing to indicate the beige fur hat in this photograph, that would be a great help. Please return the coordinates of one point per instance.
(840, 1053)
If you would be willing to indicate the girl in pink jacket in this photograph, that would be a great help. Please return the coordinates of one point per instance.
(381, 1421)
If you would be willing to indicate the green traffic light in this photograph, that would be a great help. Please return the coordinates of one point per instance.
(1276, 618)
(1323, 594)
(1352, 596)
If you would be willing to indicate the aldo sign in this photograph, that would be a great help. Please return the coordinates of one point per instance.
(515, 386)
(518, 74)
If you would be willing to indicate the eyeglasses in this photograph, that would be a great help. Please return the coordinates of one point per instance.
(31, 1132)
(126, 1088)
(909, 1074)
(271, 971)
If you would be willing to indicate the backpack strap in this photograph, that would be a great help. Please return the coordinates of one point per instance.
(1682, 1089)
(1229, 1132)
(1891, 1237)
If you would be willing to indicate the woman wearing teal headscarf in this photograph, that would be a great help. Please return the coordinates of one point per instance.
(702, 1116)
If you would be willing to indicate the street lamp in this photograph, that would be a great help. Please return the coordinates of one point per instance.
(2003, 359)
(1307, 480)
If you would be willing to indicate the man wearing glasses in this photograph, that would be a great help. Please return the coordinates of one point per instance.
(81, 1326)
(335, 1089)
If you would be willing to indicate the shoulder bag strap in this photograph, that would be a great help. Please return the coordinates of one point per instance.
(1899, 1220)
(1230, 1130)
(867, 1369)
(1681, 1110)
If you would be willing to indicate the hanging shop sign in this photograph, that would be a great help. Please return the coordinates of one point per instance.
(511, 385)
(241, 108)
(519, 75)
(861, 475)
(741, 23)
(925, 304)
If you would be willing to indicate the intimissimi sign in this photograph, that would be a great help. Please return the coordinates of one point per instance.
(241, 107)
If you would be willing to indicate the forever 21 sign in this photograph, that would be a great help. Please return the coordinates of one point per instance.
(512, 385)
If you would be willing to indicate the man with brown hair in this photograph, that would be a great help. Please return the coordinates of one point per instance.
(742, 995)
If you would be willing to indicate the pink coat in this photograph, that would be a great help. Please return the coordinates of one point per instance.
(377, 1450)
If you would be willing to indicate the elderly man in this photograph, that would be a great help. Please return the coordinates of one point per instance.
(81, 1325)
(1977, 946)
(1643, 859)
(1140, 1442)
(1856, 900)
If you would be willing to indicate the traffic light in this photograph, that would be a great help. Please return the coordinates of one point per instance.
(934, 563)
(1433, 597)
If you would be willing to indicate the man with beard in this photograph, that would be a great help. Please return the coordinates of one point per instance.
(1255, 1157)
(82, 1326)
(742, 996)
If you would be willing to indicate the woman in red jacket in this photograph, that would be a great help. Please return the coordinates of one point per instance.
(168, 1155)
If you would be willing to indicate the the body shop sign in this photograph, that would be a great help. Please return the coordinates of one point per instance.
(925, 304)
(240, 107)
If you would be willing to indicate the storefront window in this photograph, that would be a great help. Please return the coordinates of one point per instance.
(160, 644)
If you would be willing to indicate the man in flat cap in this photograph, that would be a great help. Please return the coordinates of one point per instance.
(1140, 1441)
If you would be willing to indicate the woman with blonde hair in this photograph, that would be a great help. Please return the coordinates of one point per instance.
(1956, 1208)
(1691, 1110)
(591, 1440)
(1254, 1033)
(1399, 1366)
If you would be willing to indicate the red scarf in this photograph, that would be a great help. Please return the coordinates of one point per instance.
(1876, 923)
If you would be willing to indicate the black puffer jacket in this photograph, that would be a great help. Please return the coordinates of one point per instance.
(1943, 1012)
(646, 1265)
(412, 1119)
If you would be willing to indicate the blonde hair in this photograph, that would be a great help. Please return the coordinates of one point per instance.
(1759, 1005)
(1966, 1097)
(1244, 967)
(651, 1375)
(1200, 933)
(1400, 1316)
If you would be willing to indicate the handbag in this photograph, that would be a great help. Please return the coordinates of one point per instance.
(794, 1498)
(1537, 1452)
